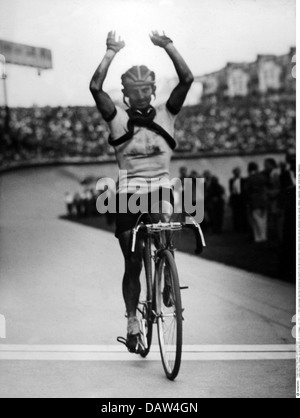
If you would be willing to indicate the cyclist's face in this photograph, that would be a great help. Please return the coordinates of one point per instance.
(140, 97)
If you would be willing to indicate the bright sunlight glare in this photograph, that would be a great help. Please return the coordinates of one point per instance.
(134, 20)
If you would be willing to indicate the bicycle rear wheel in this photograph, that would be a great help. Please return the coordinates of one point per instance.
(169, 314)
(144, 309)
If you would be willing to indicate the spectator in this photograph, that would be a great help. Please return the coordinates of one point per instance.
(95, 194)
(237, 201)
(207, 175)
(257, 201)
(87, 200)
(287, 179)
(288, 249)
(69, 200)
(78, 205)
(272, 175)
(215, 205)
(183, 174)
(194, 175)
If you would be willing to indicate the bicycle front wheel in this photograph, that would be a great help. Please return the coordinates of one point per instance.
(169, 314)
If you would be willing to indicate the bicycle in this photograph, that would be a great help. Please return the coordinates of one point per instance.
(160, 298)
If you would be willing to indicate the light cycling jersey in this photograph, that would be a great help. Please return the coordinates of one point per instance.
(146, 157)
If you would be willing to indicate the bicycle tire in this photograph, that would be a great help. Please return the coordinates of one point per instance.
(169, 315)
(144, 311)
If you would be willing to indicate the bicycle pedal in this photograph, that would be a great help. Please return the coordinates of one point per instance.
(184, 287)
(143, 335)
(122, 341)
(182, 310)
(154, 317)
(139, 348)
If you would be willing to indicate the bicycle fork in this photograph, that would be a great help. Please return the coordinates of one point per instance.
(162, 315)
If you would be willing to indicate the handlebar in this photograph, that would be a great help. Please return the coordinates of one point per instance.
(165, 226)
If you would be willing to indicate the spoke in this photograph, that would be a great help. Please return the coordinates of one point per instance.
(168, 318)
(169, 330)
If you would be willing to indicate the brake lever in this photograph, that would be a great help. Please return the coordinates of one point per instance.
(134, 240)
(135, 231)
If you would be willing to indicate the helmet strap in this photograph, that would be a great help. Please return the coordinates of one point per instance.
(125, 102)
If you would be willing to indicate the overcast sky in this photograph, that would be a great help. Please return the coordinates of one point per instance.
(208, 33)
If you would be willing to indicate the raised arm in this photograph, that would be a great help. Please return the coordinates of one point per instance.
(103, 101)
(185, 75)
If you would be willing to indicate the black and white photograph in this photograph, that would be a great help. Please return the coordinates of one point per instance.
(148, 202)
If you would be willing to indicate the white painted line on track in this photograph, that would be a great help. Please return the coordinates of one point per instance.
(119, 353)
(155, 348)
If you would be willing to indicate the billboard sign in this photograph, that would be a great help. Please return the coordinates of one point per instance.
(30, 56)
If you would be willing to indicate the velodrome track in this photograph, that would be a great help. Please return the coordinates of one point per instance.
(60, 292)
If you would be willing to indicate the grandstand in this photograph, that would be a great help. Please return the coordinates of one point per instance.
(226, 121)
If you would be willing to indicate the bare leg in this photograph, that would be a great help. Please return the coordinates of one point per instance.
(133, 268)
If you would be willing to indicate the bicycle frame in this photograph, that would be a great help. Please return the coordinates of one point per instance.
(164, 306)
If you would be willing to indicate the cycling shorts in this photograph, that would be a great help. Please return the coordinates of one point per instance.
(127, 221)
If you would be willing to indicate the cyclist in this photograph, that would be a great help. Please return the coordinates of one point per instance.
(143, 141)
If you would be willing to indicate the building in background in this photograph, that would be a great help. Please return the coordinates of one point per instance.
(238, 78)
(268, 74)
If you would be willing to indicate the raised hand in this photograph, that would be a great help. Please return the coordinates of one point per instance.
(114, 44)
(160, 40)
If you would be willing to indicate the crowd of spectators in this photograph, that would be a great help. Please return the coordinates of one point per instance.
(53, 133)
(260, 208)
(260, 205)
(238, 125)
(256, 201)
(263, 205)
(82, 203)
(243, 125)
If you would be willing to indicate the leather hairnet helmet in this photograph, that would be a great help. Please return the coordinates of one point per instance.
(139, 75)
